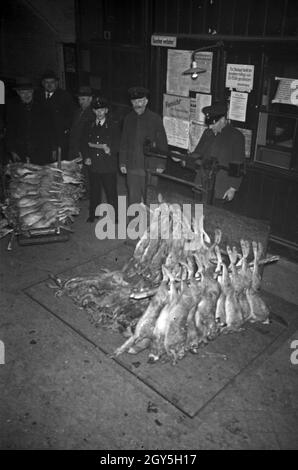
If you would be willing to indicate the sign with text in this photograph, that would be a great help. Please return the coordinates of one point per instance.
(240, 77)
(176, 106)
(286, 92)
(163, 41)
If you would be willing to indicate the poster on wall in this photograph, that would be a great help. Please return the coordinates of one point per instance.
(238, 106)
(176, 106)
(286, 92)
(203, 82)
(178, 62)
(240, 77)
(177, 131)
(197, 104)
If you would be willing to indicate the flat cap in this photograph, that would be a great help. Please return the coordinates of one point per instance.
(99, 102)
(214, 112)
(137, 92)
(85, 91)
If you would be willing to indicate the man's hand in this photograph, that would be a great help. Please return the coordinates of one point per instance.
(106, 149)
(88, 161)
(160, 170)
(229, 194)
(15, 157)
(123, 170)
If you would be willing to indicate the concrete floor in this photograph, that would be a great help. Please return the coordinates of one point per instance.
(60, 391)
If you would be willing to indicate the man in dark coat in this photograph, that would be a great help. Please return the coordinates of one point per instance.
(30, 132)
(139, 125)
(82, 115)
(99, 147)
(222, 142)
(62, 107)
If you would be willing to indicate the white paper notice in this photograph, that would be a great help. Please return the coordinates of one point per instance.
(195, 133)
(238, 105)
(240, 77)
(286, 91)
(203, 82)
(176, 106)
(177, 131)
(178, 62)
(197, 105)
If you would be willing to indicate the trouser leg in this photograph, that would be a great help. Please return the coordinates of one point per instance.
(94, 192)
(136, 188)
(109, 182)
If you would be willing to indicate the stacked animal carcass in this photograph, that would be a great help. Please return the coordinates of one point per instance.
(185, 288)
(39, 197)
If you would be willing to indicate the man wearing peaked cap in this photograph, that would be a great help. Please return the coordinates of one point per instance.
(62, 107)
(139, 126)
(99, 148)
(82, 115)
(222, 142)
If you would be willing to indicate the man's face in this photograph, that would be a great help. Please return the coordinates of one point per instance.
(139, 105)
(50, 84)
(218, 126)
(25, 95)
(84, 101)
(100, 113)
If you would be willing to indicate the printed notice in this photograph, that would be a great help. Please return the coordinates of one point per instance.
(197, 104)
(238, 105)
(285, 90)
(203, 82)
(178, 62)
(176, 106)
(177, 131)
(240, 77)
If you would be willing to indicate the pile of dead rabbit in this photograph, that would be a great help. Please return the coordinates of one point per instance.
(176, 292)
(42, 196)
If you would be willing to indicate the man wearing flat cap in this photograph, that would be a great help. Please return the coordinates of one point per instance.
(222, 142)
(140, 125)
(83, 115)
(62, 107)
(30, 131)
(99, 148)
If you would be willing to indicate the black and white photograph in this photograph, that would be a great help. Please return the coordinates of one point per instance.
(148, 229)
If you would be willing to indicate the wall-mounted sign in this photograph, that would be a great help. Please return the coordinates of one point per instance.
(164, 41)
(240, 77)
(238, 105)
(287, 92)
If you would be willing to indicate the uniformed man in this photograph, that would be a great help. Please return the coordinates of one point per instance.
(99, 147)
(222, 143)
